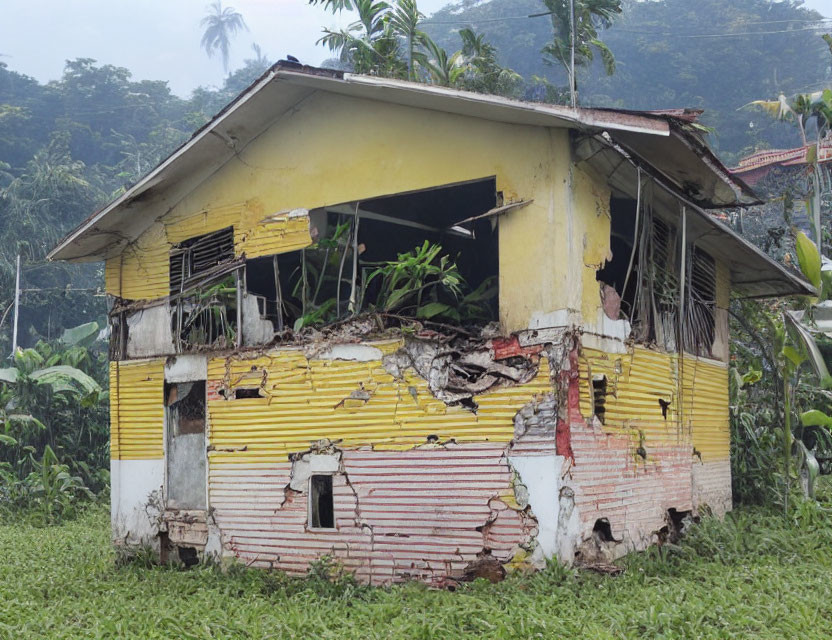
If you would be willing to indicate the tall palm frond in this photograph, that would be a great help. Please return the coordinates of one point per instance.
(591, 16)
(220, 25)
(404, 19)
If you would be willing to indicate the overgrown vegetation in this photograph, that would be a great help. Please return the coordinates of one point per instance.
(756, 575)
(54, 433)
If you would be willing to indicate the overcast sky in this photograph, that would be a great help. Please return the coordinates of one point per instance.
(159, 39)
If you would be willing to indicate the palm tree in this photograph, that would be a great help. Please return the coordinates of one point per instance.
(220, 25)
(370, 44)
(404, 19)
(444, 70)
(590, 17)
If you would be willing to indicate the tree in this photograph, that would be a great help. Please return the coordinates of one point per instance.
(404, 19)
(589, 17)
(220, 25)
(370, 44)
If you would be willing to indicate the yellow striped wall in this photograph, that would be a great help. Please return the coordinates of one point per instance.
(137, 412)
(307, 400)
(638, 380)
(142, 271)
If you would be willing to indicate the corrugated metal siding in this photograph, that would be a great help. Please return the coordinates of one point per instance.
(310, 399)
(280, 234)
(197, 224)
(143, 270)
(635, 384)
(137, 410)
(403, 514)
(706, 407)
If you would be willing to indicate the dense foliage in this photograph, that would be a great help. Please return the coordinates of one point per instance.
(663, 61)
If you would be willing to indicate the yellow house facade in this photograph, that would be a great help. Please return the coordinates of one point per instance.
(271, 403)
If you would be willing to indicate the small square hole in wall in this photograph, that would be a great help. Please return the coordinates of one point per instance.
(599, 397)
(247, 392)
(321, 506)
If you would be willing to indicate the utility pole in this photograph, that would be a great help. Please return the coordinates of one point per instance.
(16, 306)
(573, 88)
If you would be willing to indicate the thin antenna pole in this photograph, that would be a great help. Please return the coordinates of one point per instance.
(16, 306)
(573, 89)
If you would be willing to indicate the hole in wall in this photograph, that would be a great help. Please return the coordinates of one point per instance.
(599, 397)
(247, 392)
(188, 556)
(602, 530)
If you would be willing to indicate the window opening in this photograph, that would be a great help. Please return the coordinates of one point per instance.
(700, 323)
(204, 287)
(321, 503)
(186, 403)
(622, 235)
(448, 274)
(196, 256)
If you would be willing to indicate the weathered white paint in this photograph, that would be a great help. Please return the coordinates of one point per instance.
(606, 335)
(541, 476)
(311, 463)
(149, 332)
(356, 352)
(136, 500)
(557, 318)
(256, 329)
(186, 368)
(568, 535)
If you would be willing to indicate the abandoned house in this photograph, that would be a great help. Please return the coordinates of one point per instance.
(420, 331)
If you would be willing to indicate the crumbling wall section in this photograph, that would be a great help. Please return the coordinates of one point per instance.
(425, 513)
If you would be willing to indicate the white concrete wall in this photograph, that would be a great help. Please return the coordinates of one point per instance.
(541, 476)
(136, 500)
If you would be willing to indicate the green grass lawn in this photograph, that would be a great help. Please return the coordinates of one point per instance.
(753, 576)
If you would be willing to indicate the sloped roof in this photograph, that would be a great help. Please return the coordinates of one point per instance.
(106, 231)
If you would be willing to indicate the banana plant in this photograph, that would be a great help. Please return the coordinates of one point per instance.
(797, 345)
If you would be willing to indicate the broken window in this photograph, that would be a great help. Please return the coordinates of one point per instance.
(118, 335)
(321, 503)
(207, 314)
(645, 271)
(205, 291)
(700, 303)
(443, 270)
(197, 256)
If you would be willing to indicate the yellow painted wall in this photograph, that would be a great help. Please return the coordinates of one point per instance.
(310, 399)
(137, 412)
(637, 381)
(337, 149)
(142, 271)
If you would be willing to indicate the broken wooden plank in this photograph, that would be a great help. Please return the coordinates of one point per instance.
(496, 211)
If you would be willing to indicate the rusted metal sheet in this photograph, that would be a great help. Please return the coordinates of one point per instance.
(137, 410)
